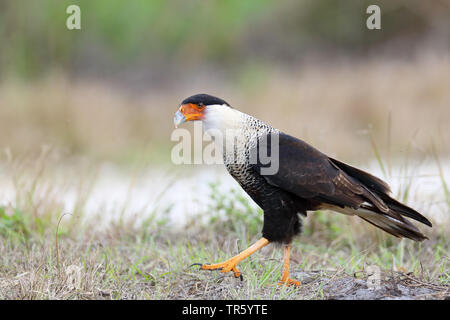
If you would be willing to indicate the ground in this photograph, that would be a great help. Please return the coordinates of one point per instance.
(144, 263)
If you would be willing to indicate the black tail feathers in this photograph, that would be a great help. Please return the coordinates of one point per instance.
(391, 220)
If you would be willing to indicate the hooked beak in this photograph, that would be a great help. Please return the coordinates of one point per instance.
(188, 112)
(178, 119)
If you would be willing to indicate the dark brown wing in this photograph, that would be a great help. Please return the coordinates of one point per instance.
(367, 179)
(308, 173)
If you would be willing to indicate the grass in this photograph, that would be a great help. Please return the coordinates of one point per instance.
(151, 260)
(143, 264)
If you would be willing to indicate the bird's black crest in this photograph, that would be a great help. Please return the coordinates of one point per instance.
(204, 99)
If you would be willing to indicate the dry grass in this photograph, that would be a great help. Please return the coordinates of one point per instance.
(41, 258)
(154, 264)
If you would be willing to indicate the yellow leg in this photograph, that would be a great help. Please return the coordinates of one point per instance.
(230, 264)
(285, 280)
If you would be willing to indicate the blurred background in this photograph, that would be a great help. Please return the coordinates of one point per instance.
(73, 101)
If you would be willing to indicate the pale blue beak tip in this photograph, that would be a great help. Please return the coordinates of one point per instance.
(178, 119)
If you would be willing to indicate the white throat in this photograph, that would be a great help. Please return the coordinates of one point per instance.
(222, 117)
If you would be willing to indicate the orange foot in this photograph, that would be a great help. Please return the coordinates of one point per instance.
(289, 282)
(226, 266)
(230, 264)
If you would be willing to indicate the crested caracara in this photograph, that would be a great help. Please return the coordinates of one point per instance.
(305, 179)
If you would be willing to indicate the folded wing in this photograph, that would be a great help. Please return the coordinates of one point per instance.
(328, 183)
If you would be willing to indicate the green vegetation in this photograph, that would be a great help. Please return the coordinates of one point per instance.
(37, 36)
(233, 212)
(151, 260)
(115, 34)
(14, 226)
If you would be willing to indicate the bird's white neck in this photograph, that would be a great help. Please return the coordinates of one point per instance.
(222, 118)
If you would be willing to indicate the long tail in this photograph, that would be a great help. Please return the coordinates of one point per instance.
(384, 212)
(397, 226)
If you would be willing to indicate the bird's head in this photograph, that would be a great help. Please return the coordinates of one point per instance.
(197, 107)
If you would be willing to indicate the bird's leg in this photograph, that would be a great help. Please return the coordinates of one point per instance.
(230, 264)
(285, 280)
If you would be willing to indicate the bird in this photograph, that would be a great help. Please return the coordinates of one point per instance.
(303, 180)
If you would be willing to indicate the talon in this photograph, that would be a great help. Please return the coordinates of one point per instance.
(227, 266)
(285, 280)
(196, 264)
(230, 264)
(237, 273)
(289, 282)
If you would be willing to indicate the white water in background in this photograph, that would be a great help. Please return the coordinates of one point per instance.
(184, 191)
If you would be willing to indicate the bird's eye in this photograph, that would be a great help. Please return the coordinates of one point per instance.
(200, 105)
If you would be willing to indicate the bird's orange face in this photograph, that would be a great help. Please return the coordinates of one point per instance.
(189, 112)
(192, 111)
